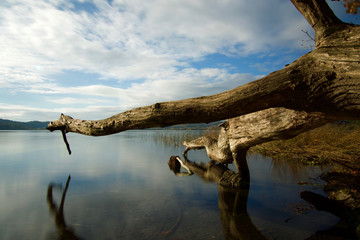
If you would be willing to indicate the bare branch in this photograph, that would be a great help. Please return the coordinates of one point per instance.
(240, 133)
(317, 13)
(66, 141)
(308, 34)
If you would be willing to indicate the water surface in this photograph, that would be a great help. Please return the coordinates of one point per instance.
(122, 188)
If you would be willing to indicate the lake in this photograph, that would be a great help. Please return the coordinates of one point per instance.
(121, 188)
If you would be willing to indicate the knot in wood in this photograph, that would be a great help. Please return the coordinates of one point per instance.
(157, 106)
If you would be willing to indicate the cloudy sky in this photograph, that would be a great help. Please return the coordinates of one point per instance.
(94, 58)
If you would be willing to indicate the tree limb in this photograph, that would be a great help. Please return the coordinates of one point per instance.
(318, 14)
(316, 82)
(66, 141)
(238, 134)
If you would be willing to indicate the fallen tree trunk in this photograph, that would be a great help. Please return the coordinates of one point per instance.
(238, 134)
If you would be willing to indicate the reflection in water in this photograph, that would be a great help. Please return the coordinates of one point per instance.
(109, 200)
(232, 201)
(64, 232)
(349, 223)
(175, 164)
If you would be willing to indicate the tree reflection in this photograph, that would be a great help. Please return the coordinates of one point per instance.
(64, 232)
(233, 197)
(348, 226)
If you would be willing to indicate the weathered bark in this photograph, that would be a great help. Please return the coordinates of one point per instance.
(238, 134)
(217, 149)
(319, 16)
(271, 124)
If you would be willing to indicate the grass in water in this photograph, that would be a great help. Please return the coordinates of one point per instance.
(338, 142)
(176, 139)
(181, 136)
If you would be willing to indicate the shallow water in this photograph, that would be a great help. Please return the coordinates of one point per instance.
(121, 188)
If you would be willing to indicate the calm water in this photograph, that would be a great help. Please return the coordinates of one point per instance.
(122, 188)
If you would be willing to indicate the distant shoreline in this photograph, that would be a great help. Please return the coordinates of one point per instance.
(15, 125)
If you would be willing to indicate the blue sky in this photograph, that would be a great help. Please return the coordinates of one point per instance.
(94, 58)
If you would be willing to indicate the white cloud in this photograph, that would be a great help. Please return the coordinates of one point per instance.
(25, 113)
(151, 42)
(101, 101)
(210, 25)
(189, 82)
(72, 100)
(146, 37)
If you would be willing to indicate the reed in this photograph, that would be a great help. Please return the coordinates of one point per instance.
(172, 139)
(177, 138)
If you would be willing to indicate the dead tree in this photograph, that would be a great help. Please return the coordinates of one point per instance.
(324, 82)
(238, 134)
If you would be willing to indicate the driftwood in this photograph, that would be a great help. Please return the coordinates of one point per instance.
(238, 134)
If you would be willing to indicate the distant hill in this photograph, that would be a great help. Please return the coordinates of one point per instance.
(14, 125)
